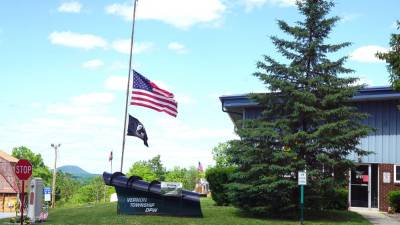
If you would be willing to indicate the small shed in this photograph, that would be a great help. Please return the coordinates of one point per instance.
(8, 182)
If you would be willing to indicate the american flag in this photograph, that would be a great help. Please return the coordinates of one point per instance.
(147, 94)
(110, 158)
(200, 168)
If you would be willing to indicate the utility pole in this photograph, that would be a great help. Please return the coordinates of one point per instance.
(53, 188)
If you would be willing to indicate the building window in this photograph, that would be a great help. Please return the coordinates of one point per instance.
(396, 173)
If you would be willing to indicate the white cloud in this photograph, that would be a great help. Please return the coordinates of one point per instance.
(82, 104)
(185, 99)
(70, 7)
(183, 131)
(367, 54)
(97, 120)
(77, 40)
(363, 80)
(76, 134)
(124, 46)
(118, 65)
(46, 122)
(91, 129)
(179, 13)
(347, 17)
(93, 98)
(177, 47)
(123, 65)
(67, 109)
(252, 4)
(116, 83)
(36, 105)
(93, 64)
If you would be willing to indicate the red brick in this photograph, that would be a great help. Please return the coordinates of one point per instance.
(385, 188)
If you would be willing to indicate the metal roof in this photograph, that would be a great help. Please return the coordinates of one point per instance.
(381, 103)
(365, 94)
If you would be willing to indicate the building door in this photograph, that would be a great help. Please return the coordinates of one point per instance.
(359, 186)
(374, 185)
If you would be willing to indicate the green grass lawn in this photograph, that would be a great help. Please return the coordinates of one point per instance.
(106, 214)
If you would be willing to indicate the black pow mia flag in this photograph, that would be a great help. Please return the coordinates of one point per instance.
(136, 128)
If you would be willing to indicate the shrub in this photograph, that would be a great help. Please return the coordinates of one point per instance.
(217, 178)
(332, 198)
(339, 199)
(394, 200)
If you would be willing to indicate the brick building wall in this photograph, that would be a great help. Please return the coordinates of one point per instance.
(385, 188)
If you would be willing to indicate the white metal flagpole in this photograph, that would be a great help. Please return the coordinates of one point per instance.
(128, 83)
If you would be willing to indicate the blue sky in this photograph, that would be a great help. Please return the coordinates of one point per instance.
(64, 65)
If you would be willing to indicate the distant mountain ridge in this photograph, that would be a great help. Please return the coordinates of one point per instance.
(76, 171)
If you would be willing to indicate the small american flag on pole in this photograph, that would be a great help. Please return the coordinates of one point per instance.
(147, 94)
(110, 158)
(200, 168)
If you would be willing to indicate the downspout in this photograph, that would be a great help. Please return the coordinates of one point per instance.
(226, 111)
(242, 114)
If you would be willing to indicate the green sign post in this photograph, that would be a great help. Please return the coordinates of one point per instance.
(302, 204)
(302, 180)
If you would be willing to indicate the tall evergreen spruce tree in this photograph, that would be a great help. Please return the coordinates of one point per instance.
(308, 122)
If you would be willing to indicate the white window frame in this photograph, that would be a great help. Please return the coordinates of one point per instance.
(394, 175)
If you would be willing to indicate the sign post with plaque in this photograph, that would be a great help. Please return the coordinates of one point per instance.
(302, 180)
(171, 189)
(47, 194)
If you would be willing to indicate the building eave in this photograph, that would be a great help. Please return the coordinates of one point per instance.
(365, 94)
(234, 105)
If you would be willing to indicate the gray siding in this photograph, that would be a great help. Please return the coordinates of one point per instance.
(383, 143)
(385, 118)
(252, 113)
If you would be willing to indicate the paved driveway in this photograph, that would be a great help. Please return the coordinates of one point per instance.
(376, 217)
(6, 215)
(395, 216)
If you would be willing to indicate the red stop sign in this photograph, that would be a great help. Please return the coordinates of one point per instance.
(23, 169)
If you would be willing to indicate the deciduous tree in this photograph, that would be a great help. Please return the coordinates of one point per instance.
(392, 57)
(39, 168)
(221, 156)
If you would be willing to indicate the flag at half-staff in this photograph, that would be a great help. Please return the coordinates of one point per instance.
(136, 128)
(147, 94)
(110, 157)
(200, 168)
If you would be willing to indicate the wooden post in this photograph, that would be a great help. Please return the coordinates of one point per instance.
(4, 199)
